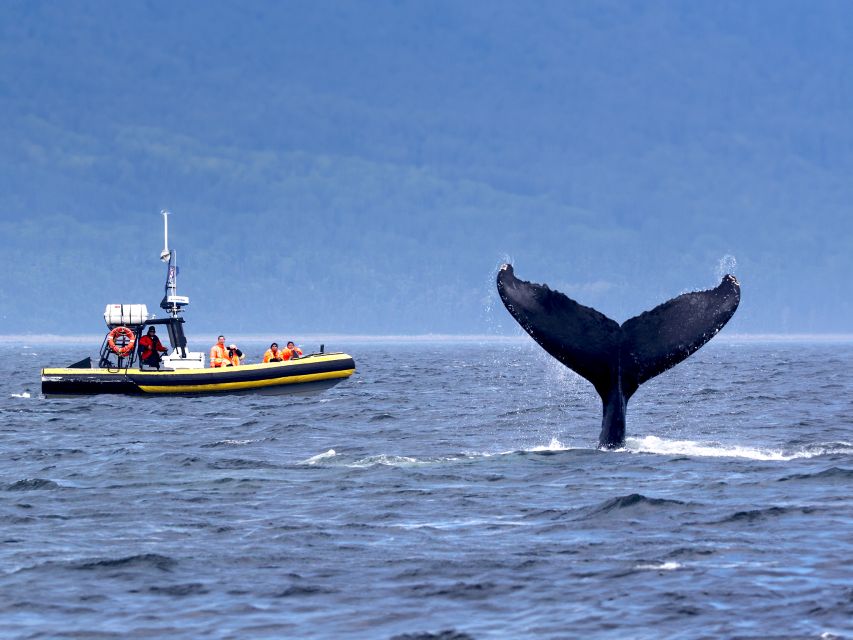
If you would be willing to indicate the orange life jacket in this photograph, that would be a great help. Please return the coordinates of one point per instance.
(219, 356)
(269, 356)
(235, 360)
(287, 354)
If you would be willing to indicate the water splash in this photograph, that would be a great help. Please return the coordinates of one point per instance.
(653, 444)
(25, 394)
(554, 445)
(492, 305)
(726, 265)
(320, 457)
(386, 460)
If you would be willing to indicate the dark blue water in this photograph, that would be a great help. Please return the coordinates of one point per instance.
(450, 488)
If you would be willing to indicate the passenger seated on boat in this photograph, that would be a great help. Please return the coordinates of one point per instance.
(235, 355)
(219, 354)
(292, 351)
(150, 349)
(273, 354)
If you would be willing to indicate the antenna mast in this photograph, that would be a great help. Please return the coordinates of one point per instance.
(172, 302)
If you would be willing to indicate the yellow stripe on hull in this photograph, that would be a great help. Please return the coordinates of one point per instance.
(252, 384)
(212, 371)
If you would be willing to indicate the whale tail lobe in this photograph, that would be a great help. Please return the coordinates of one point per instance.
(615, 358)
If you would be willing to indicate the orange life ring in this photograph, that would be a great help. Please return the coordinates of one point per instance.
(127, 347)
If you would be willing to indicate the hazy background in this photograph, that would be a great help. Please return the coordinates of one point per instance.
(365, 167)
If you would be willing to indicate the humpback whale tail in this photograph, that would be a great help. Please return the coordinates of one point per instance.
(617, 359)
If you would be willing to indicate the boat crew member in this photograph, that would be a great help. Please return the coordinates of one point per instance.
(273, 354)
(234, 355)
(219, 354)
(150, 348)
(292, 351)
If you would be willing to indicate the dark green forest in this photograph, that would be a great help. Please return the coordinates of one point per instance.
(365, 167)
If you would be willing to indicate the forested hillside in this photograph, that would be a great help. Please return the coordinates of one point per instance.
(364, 167)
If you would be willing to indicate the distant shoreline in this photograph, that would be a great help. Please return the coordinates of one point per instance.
(334, 339)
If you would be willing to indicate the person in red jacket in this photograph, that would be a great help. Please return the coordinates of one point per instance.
(150, 348)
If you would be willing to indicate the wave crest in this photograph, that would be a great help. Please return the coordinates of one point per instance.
(32, 484)
(320, 457)
(692, 448)
(632, 501)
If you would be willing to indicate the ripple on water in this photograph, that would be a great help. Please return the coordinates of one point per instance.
(633, 504)
(470, 495)
(833, 474)
(140, 561)
(756, 515)
(33, 484)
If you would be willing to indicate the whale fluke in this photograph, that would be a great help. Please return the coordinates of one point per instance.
(617, 359)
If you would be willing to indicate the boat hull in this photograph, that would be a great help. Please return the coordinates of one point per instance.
(305, 375)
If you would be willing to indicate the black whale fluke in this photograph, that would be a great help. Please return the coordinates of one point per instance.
(617, 359)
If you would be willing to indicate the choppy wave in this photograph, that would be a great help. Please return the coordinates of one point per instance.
(633, 501)
(240, 463)
(460, 524)
(180, 590)
(692, 448)
(554, 445)
(320, 457)
(833, 473)
(664, 566)
(143, 561)
(32, 484)
(382, 459)
(436, 478)
(753, 515)
(228, 443)
(396, 460)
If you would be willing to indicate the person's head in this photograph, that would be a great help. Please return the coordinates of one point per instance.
(233, 347)
(221, 340)
(274, 347)
(290, 344)
(151, 331)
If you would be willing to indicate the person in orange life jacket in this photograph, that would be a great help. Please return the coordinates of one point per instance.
(150, 348)
(292, 351)
(235, 355)
(219, 354)
(273, 354)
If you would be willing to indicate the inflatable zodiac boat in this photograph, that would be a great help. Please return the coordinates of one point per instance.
(182, 371)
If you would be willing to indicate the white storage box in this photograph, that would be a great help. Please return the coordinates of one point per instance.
(116, 315)
(194, 360)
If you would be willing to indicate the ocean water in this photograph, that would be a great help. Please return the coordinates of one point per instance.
(447, 490)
